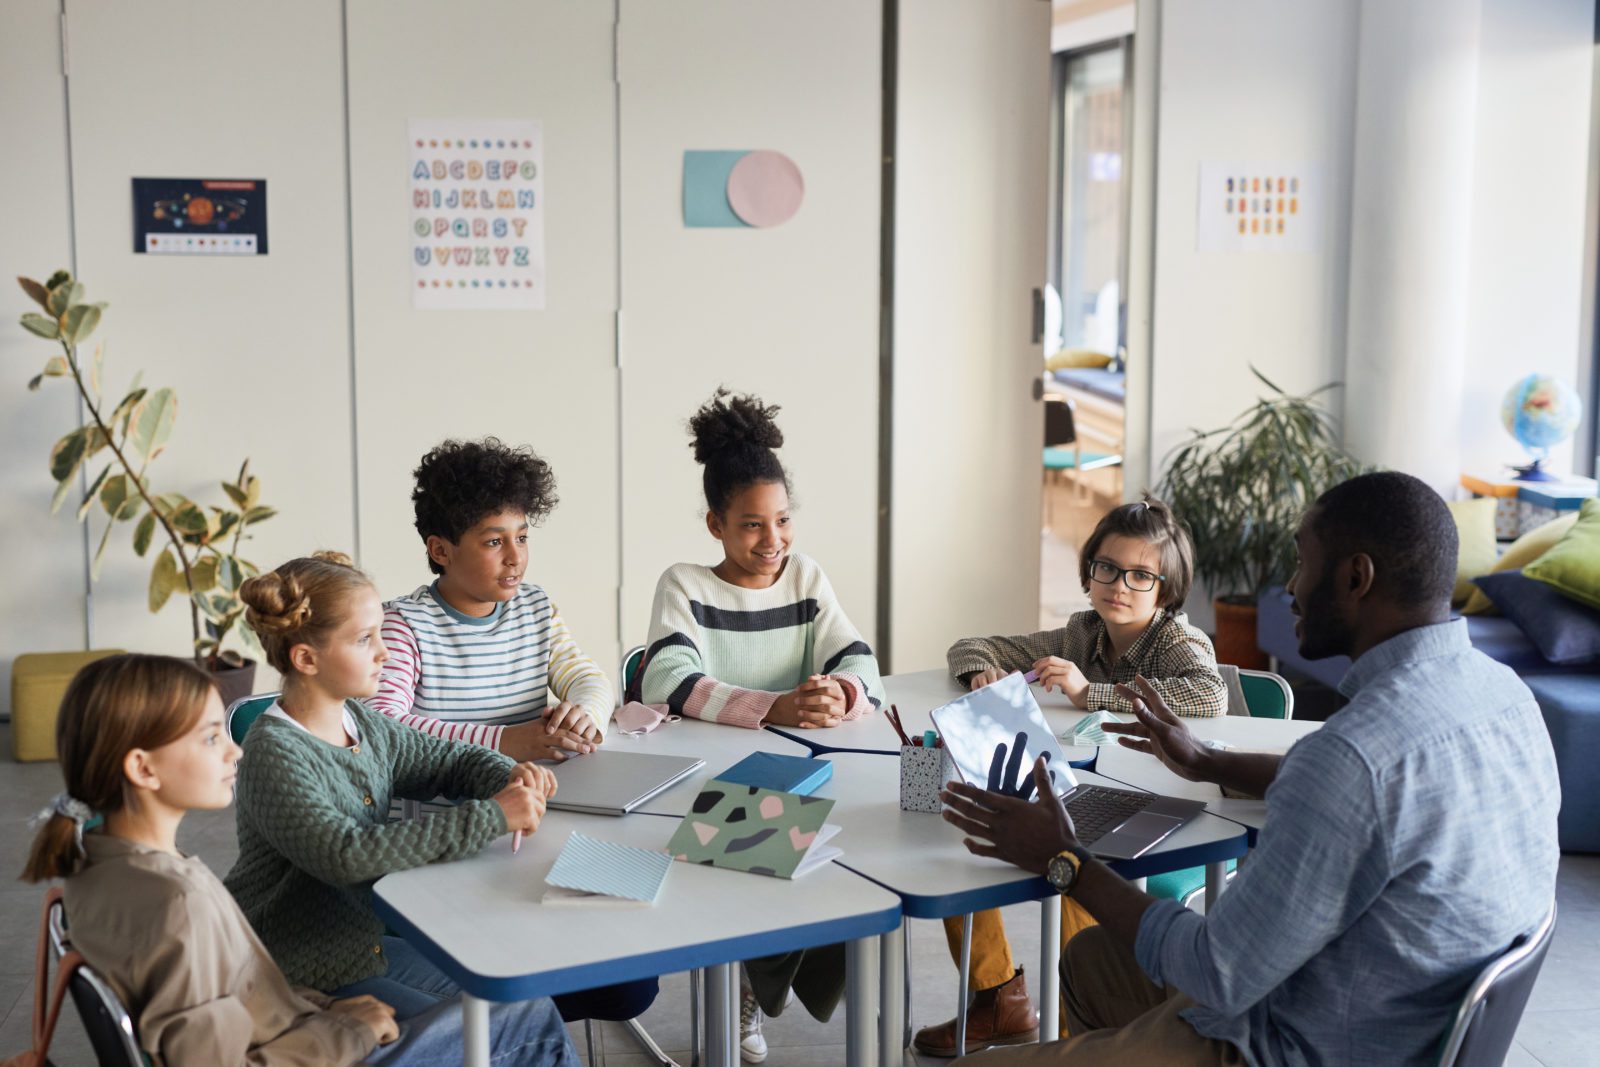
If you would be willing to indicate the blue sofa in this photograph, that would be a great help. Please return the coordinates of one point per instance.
(1569, 697)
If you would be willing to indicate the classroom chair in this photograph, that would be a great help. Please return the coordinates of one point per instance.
(1486, 1022)
(1266, 696)
(105, 1019)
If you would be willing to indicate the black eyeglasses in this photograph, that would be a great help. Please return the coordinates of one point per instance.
(1137, 580)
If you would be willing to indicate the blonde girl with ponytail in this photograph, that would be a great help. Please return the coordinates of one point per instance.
(315, 783)
(141, 741)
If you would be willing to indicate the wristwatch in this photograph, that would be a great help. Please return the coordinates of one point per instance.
(1062, 870)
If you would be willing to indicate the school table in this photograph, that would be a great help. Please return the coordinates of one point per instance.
(480, 920)
(920, 857)
(719, 745)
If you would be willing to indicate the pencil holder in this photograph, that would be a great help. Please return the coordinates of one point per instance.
(923, 772)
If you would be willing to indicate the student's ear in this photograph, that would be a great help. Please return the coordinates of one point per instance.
(439, 550)
(303, 658)
(714, 524)
(139, 771)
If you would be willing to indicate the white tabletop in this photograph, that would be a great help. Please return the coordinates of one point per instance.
(480, 919)
(921, 857)
(720, 746)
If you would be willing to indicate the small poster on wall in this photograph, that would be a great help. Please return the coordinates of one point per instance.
(477, 213)
(1259, 207)
(200, 216)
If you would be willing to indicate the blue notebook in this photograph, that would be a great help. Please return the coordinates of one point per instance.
(801, 775)
(591, 871)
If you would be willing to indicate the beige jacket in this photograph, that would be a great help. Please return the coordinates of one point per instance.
(198, 982)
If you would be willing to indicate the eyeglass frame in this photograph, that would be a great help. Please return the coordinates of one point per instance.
(1122, 576)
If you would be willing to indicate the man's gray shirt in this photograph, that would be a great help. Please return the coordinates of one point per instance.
(1407, 843)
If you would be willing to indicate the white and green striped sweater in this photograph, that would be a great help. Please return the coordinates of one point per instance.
(724, 653)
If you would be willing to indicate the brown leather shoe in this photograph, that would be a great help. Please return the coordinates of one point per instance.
(1000, 1016)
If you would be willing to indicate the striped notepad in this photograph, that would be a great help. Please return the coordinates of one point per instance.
(591, 871)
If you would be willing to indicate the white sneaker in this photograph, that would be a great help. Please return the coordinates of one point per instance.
(752, 1046)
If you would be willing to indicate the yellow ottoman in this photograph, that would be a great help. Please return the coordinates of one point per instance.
(38, 682)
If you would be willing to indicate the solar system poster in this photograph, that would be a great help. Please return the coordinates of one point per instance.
(200, 216)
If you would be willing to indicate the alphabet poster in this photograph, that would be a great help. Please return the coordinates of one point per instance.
(1259, 207)
(477, 213)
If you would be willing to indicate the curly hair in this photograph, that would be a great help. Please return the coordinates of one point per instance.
(733, 437)
(300, 603)
(460, 483)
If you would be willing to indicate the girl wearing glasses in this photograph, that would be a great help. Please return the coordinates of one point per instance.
(1137, 567)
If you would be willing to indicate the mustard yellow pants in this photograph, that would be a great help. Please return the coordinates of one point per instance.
(991, 952)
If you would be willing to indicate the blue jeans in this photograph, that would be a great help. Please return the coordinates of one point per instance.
(427, 1005)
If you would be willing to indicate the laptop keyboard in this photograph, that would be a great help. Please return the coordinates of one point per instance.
(1096, 811)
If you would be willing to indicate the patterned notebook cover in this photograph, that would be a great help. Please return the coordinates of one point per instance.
(763, 831)
(604, 869)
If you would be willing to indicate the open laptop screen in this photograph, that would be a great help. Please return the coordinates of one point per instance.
(972, 726)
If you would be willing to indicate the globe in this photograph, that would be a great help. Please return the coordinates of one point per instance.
(1540, 411)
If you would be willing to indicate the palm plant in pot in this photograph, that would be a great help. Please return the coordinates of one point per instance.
(197, 548)
(1243, 488)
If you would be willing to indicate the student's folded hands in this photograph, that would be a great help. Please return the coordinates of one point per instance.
(542, 779)
(573, 719)
(535, 740)
(815, 703)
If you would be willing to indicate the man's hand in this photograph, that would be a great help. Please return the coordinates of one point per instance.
(573, 719)
(1160, 733)
(983, 678)
(1063, 674)
(534, 741)
(378, 1016)
(1021, 833)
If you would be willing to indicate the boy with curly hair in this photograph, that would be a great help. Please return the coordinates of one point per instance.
(474, 655)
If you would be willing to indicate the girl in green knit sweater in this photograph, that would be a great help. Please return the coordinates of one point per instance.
(315, 782)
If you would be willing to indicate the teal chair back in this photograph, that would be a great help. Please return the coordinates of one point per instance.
(1266, 695)
(244, 712)
(631, 662)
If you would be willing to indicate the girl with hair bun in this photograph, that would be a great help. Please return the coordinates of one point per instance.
(142, 742)
(319, 772)
(757, 638)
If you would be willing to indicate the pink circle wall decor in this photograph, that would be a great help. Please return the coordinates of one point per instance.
(765, 188)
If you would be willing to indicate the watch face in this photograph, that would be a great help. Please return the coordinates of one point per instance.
(1061, 872)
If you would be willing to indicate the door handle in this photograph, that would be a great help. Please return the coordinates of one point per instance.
(1038, 316)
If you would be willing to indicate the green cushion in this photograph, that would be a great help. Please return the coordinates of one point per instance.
(1573, 564)
(245, 713)
(1263, 697)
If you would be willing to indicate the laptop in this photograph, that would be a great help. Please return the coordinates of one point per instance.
(1114, 824)
(614, 783)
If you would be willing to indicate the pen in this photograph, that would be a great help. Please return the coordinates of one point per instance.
(893, 715)
(516, 841)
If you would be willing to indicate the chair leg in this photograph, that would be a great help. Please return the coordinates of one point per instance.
(696, 1019)
(588, 1040)
(642, 1036)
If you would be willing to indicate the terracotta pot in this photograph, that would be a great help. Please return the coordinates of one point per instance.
(234, 683)
(1236, 635)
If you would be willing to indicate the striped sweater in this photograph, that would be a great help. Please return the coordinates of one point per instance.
(724, 653)
(466, 679)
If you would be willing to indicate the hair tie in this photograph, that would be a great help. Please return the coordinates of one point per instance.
(68, 807)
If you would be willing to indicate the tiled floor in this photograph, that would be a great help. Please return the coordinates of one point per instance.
(1561, 1027)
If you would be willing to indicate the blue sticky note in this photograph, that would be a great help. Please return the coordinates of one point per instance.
(705, 188)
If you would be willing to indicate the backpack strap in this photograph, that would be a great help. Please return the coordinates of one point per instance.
(47, 998)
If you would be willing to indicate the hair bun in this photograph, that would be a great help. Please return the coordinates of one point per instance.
(276, 604)
(727, 422)
(338, 559)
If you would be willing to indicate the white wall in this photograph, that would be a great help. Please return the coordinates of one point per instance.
(1530, 175)
(1247, 80)
(789, 313)
(44, 609)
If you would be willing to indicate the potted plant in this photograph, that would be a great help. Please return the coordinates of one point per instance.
(1242, 489)
(197, 552)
